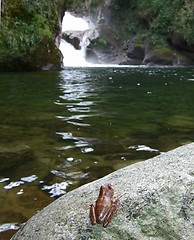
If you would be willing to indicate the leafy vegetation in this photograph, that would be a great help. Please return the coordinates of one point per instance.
(101, 43)
(29, 27)
(26, 25)
(94, 3)
(156, 18)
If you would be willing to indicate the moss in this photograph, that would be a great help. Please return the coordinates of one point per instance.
(45, 54)
(139, 40)
(29, 28)
(165, 52)
(101, 43)
(95, 3)
(27, 34)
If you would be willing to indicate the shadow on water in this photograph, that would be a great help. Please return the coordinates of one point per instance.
(60, 130)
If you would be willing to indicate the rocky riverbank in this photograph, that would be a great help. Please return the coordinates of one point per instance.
(157, 204)
(126, 36)
(130, 33)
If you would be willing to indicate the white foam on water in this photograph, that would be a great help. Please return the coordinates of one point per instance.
(18, 183)
(4, 180)
(13, 184)
(56, 189)
(143, 148)
(9, 226)
(29, 179)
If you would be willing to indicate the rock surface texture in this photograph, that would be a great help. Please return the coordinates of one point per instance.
(157, 204)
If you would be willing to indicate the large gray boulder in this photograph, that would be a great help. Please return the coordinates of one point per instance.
(157, 204)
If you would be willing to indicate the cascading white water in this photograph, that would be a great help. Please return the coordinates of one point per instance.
(84, 30)
(80, 28)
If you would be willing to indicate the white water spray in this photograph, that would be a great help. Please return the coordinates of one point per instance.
(81, 29)
(71, 23)
(84, 30)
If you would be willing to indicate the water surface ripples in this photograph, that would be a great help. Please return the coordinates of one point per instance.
(60, 130)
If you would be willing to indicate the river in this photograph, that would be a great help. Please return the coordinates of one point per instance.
(62, 129)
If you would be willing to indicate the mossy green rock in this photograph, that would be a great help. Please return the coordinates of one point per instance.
(157, 204)
(46, 56)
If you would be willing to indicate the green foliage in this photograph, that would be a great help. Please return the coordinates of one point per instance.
(25, 24)
(94, 3)
(77, 4)
(101, 43)
(183, 23)
(82, 4)
(158, 18)
(127, 18)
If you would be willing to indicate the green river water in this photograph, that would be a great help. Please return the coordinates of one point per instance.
(62, 129)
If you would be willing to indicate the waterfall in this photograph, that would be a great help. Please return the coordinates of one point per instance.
(75, 39)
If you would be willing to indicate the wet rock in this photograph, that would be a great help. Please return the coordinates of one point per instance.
(91, 56)
(157, 204)
(160, 56)
(132, 61)
(138, 51)
(181, 43)
(183, 59)
(73, 40)
(14, 155)
(152, 58)
(46, 56)
(135, 52)
(106, 46)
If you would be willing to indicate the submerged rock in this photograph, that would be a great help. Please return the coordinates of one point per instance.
(157, 204)
(14, 155)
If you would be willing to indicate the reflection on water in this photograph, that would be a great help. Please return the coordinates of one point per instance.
(60, 130)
